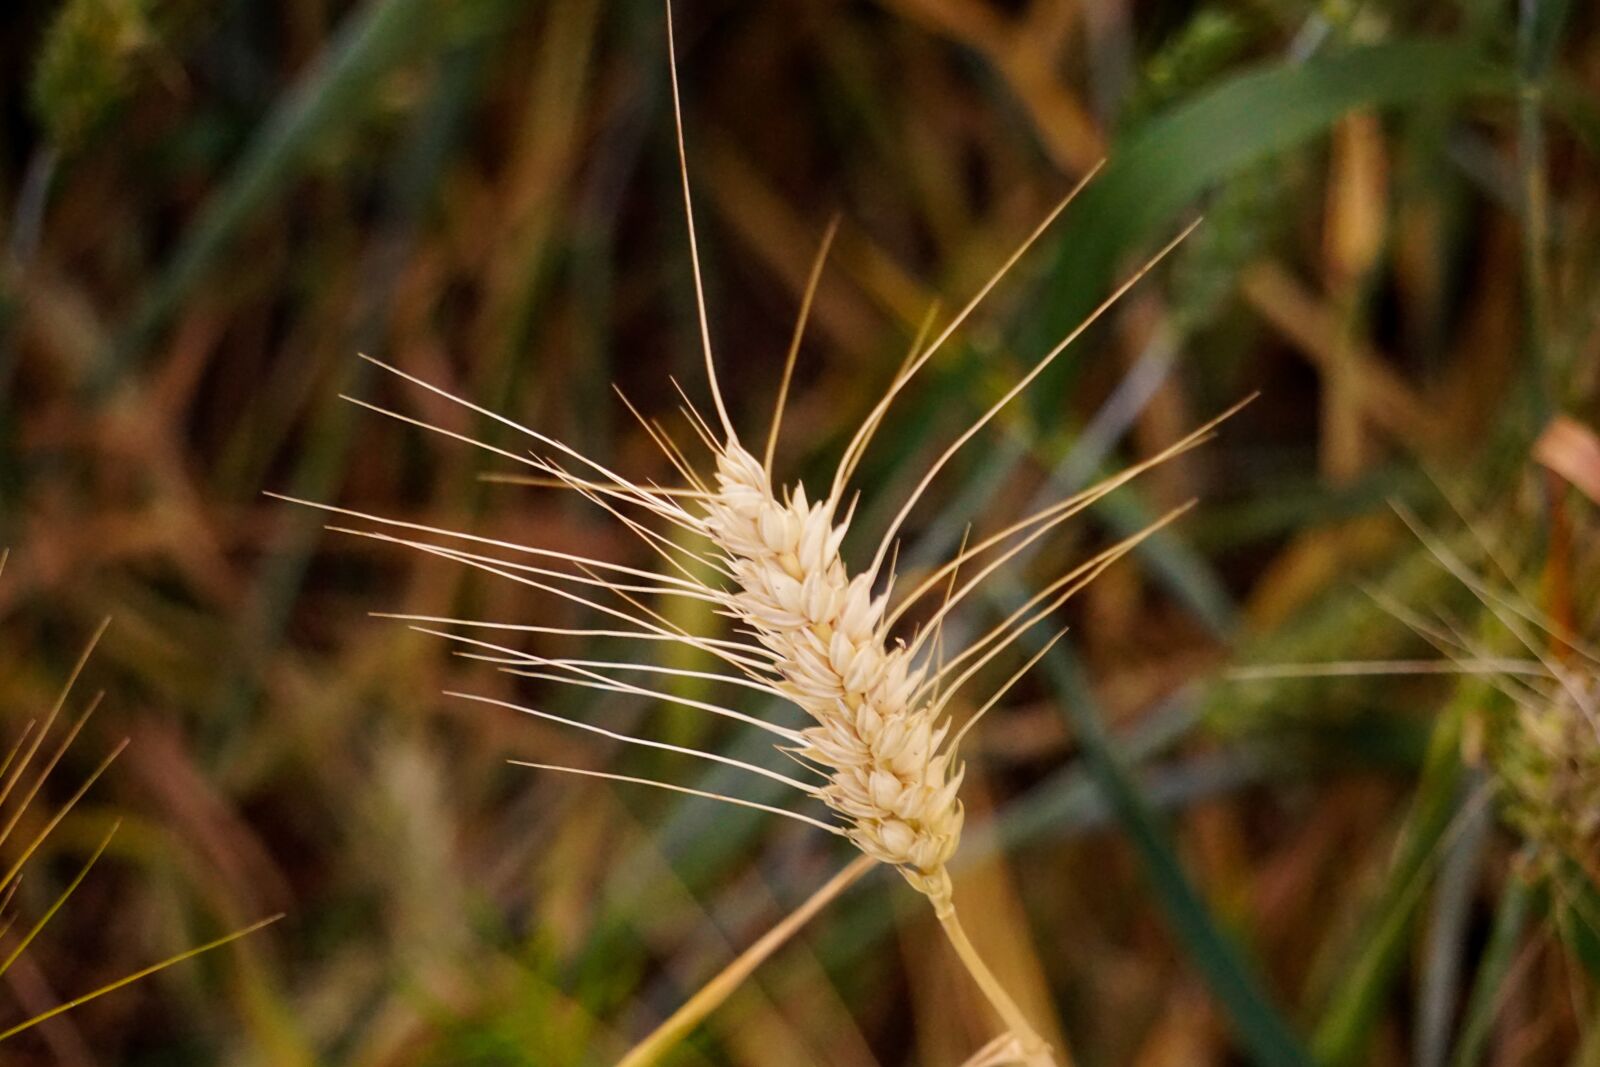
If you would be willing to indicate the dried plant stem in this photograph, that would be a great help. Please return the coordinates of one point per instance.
(154, 968)
(16, 765)
(1032, 1049)
(998, 1052)
(711, 996)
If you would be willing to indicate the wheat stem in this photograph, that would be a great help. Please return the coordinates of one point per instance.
(680, 1023)
(1001, 1050)
(1033, 1049)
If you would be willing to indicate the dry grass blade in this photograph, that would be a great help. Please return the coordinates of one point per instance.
(712, 995)
(27, 746)
(146, 972)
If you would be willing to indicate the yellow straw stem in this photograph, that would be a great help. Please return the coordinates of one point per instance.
(711, 996)
(1035, 1052)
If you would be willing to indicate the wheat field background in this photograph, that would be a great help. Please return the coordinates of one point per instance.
(1174, 854)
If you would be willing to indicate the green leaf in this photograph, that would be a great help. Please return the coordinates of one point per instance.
(1451, 910)
(1346, 1027)
(1510, 920)
(1163, 166)
(372, 41)
(1261, 1028)
(1577, 912)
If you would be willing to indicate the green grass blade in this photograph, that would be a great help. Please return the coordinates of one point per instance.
(1357, 1002)
(146, 972)
(1261, 1029)
(377, 37)
(1510, 920)
(1184, 571)
(1439, 987)
(1164, 165)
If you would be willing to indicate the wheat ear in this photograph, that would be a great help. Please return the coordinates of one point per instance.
(1545, 753)
(880, 742)
(879, 751)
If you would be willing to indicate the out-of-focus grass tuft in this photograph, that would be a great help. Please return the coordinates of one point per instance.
(89, 65)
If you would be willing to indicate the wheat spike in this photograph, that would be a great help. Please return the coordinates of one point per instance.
(806, 628)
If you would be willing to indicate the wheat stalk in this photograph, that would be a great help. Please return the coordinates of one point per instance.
(879, 754)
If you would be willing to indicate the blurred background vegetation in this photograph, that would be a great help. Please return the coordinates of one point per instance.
(210, 206)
